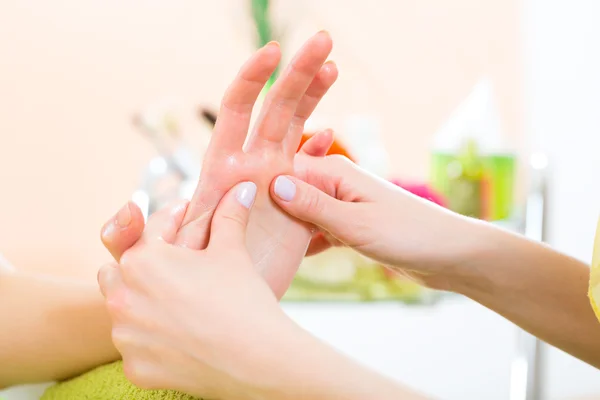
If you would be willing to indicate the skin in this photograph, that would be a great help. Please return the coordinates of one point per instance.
(241, 347)
(236, 154)
(278, 242)
(539, 289)
(63, 329)
(270, 150)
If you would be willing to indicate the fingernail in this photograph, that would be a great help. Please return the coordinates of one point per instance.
(124, 216)
(284, 188)
(245, 193)
(272, 43)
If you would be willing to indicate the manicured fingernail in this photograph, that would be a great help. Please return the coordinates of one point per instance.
(245, 193)
(124, 216)
(284, 188)
(272, 43)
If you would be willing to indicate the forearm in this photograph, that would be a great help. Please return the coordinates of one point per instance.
(310, 369)
(51, 328)
(541, 290)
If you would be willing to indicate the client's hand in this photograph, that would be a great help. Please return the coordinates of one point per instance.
(200, 321)
(276, 242)
(375, 217)
(204, 322)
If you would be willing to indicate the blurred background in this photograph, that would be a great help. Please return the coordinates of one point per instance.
(448, 99)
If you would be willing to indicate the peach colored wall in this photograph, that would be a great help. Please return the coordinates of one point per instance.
(73, 71)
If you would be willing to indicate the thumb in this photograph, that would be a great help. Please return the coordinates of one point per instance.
(228, 226)
(165, 223)
(123, 230)
(309, 204)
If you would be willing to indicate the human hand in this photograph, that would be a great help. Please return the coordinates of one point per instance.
(125, 228)
(204, 322)
(276, 242)
(375, 217)
(200, 321)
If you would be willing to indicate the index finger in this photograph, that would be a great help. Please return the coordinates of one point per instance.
(283, 98)
(233, 122)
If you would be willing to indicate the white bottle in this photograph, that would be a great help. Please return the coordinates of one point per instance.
(362, 135)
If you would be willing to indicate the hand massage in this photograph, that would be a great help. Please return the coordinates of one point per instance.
(189, 309)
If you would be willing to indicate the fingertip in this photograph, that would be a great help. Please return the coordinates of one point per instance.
(270, 54)
(319, 144)
(245, 193)
(106, 277)
(324, 37)
(261, 64)
(320, 43)
(329, 72)
(284, 188)
(326, 138)
(137, 216)
(228, 226)
(123, 228)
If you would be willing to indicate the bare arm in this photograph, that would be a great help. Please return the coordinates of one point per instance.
(52, 328)
(537, 288)
(541, 290)
(326, 374)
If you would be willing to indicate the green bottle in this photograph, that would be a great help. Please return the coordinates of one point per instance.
(465, 177)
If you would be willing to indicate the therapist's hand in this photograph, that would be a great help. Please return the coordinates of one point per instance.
(200, 321)
(376, 218)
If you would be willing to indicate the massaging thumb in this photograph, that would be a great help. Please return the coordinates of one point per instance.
(228, 226)
(123, 230)
(308, 203)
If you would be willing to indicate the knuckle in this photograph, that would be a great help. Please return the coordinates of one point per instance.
(234, 218)
(127, 261)
(103, 271)
(313, 202)
(135, 260)
(233, 107)
(121, 338)
(117, 305)
(134, 372)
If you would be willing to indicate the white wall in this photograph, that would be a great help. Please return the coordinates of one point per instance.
(562, 59)
(562, 86)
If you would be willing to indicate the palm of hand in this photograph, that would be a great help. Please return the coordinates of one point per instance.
(275, 241)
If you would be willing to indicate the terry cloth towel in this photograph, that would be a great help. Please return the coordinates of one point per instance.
(107, 383)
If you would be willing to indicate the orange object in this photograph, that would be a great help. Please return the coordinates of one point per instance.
(336, 148)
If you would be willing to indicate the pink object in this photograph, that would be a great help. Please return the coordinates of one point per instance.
(423, 191)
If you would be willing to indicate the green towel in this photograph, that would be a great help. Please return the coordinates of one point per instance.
(107, 383)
